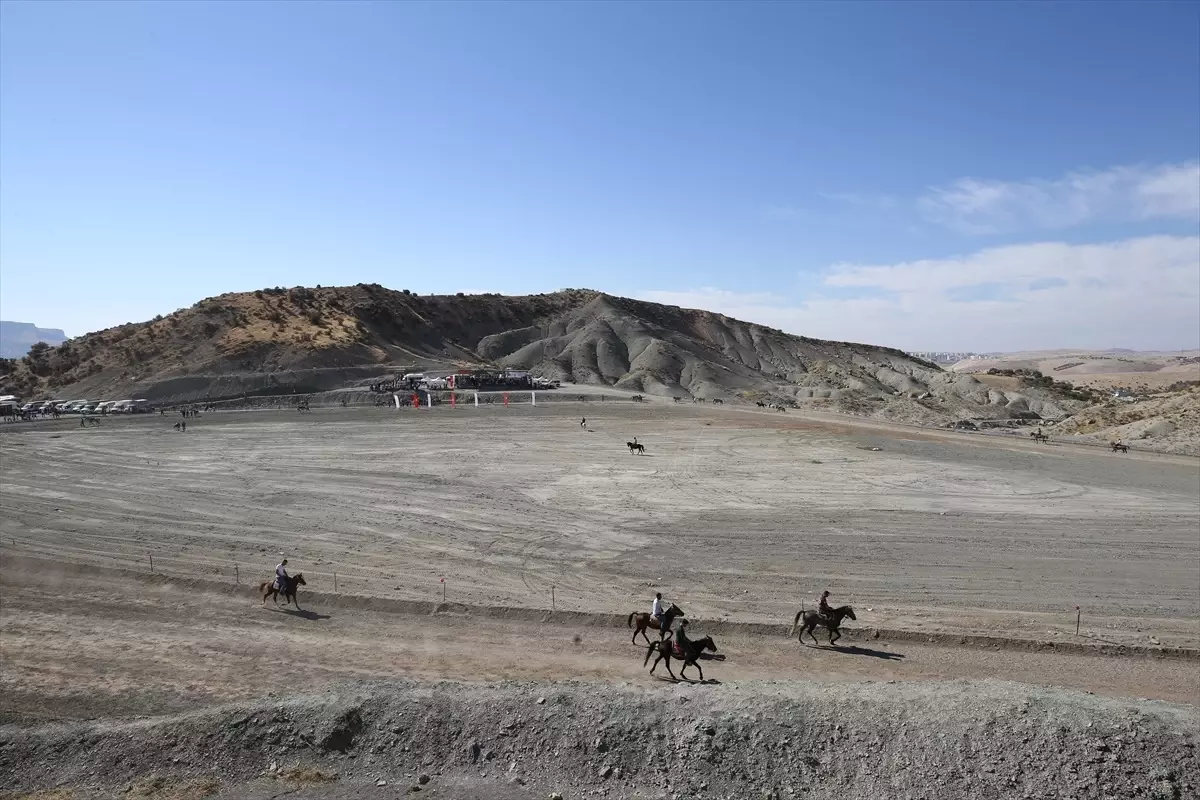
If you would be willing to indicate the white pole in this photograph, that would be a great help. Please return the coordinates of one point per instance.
(533, 397)
(429, 399)
(477, 399)
(396, 397)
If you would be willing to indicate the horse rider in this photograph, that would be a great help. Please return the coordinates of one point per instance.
(656, 610)
(281, 576)
(681, 639)
(823, 607)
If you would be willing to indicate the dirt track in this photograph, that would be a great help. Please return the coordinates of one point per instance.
(736, 515)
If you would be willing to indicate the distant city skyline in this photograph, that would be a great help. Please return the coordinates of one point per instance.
(947, 176)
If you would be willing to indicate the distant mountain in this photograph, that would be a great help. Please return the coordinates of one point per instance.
(17, 337)
(279, 341)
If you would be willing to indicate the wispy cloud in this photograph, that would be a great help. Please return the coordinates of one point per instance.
(975, 206)
(1142, 293)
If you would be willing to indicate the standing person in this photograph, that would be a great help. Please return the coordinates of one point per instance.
(281, 576)
(183, 426)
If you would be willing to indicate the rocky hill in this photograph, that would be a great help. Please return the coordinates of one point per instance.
(307, 340)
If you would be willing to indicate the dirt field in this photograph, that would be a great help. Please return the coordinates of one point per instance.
(736, 515)
(739, 516)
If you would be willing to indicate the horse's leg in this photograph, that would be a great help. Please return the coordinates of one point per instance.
(667, 656)
(696, 664)
(811, 631)
(655, 664)
(834, 635)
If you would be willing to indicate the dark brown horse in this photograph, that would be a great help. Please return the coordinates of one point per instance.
(267, 589)
(831, 622)
(1118, 447)
(663, 626)
(692, 649)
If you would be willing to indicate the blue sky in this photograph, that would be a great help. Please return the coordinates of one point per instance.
(945, 175)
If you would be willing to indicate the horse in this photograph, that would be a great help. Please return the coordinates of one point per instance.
(1038, 436)
(637, 398)
(85, 421)
(676, 399)
(718, 401)
(814, 618)
(760, 404)
(267, 589)
(644, 621)
(690, 651)
(1118, 447)
(634, 447)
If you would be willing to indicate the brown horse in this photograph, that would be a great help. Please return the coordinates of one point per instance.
(267, 589)
(831, 622)
(663, 626)
(692, 649)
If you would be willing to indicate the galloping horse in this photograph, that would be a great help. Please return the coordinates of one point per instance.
(814, 618)
(634, 447)
(1038, 436)
(1117, 446)
(663, 625)
(267, 589)
(691, 651)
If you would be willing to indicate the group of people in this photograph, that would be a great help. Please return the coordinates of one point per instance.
(679, 632)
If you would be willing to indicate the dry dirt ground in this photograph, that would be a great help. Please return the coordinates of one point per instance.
(738, 516)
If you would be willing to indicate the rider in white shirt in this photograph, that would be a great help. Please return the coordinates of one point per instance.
(281, 576)
(656, 610)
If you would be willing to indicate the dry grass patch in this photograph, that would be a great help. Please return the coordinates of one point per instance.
(42, 794)
(156, 787)
(306, 776)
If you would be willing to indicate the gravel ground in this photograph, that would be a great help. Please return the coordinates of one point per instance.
(947, 739)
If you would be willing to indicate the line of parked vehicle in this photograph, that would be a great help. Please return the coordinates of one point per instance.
(86, 407)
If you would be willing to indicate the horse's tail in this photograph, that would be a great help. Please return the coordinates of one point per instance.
(795, 622)
(262, 587)
(629, 624)
(649, 650)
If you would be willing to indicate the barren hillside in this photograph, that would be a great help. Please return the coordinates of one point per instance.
(1103, 370)
(304, 340)
(1168, 422)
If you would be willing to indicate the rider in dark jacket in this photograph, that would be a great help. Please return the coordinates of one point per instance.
(823, 607)
(681, 639)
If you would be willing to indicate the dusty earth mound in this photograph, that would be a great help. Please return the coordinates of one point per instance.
(1168, 422)
(1109, 369)
(285, 341)
(870, 740)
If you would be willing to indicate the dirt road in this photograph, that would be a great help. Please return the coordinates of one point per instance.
(79, 646)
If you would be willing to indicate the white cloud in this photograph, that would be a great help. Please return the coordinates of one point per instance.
(1140, 293)
(974, 206)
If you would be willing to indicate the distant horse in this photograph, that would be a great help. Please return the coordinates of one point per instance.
(1038, 436)
(676, 399)
(637, 398)
(718, 402)
(814, 618)
(634, 447)
(697, 399)
(86, 421)
(303, 406)
(1117, 447)
(760, 404)
(267, 589)
(643, 622)
(689, 652)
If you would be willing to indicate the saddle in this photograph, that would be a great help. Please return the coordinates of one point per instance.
(676, 649)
